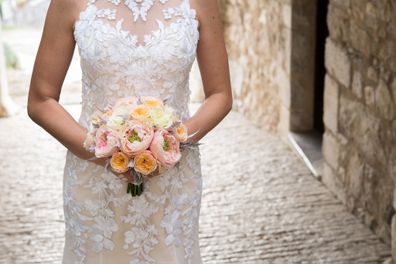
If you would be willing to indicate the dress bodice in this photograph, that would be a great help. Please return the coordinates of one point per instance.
(136, 47)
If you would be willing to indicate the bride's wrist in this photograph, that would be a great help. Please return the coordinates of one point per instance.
(190, 134)
(99, 161)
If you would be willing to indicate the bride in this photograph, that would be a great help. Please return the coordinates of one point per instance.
(130, 48)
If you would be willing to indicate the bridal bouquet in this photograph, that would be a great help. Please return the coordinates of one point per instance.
(139, 135)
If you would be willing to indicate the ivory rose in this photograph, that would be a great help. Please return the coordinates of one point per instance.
(106, 142)
(119, 162)
(165, 148)
(136, 137)
(118, 117)
(162, 117)
(144, 162)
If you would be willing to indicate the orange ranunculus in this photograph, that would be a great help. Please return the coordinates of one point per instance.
(144, 162)
(151, 101)
(119, 162)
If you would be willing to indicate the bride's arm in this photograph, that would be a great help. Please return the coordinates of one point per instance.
(52, 62)
(213, 63)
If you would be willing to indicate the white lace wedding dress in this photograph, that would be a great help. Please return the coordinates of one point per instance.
(134, 47)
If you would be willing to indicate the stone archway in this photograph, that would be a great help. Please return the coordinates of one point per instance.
(301, 111)
(297, 99)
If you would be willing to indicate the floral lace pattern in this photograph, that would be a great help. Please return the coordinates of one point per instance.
(103, 223)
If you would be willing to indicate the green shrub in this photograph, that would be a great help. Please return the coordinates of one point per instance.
(10, 57)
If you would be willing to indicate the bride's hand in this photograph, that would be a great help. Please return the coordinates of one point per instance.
(126, 176)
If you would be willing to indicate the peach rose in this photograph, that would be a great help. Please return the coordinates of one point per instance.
(130, 102)
(165, 148)
(144, 162)
(151, 101)
(106, 142)
(89, 142)
(119, 162)
(97, 118)
(140, 112)
(136, 137)
(107, 113)
(180, 132)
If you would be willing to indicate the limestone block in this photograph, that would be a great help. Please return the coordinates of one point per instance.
(369, 95)
(284, 119)
(386, 52)
(394, 240)
(331, 150)
(393, 89)
(330, 115)
(286, 16)
(341, 3)
(362, 127)
(357, 88)
(384, 104)
(331, 180)
(369, 182)
(338, 23)
(354, 171)
(372, 74)
(360, 40)
(338, 63)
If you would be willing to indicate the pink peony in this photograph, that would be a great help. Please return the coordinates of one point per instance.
(136, 137)
(165, 148)
(106, 142)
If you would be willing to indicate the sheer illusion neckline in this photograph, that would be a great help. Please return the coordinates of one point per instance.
(133, 38)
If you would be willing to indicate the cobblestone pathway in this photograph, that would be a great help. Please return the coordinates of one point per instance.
(260, 204)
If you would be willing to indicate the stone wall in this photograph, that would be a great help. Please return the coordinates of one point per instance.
(258, 42)
(360, 108)
(270, 46)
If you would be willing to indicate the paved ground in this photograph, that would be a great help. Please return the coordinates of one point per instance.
(260, 204)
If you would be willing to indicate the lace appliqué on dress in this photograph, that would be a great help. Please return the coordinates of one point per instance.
(140, 8)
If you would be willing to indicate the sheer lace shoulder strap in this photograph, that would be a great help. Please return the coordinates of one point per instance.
(139, 18)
